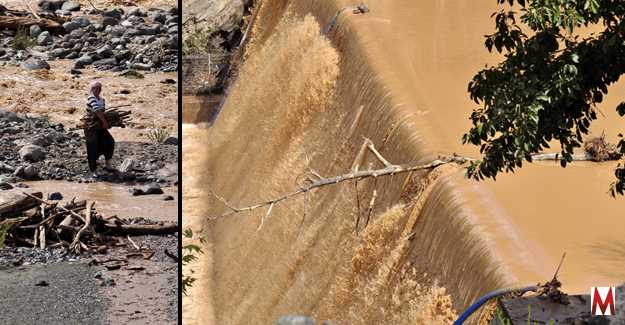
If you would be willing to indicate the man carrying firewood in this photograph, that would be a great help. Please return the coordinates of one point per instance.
(99, 140)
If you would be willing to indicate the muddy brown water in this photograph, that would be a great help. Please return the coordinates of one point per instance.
(397, 75)
(114, 199)
(200, 109)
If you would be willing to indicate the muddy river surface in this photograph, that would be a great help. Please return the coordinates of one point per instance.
(114, 199)
(397, 75)
(534, 215)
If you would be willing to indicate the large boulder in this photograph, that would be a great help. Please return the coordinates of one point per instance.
(35, 64)
(32, 153)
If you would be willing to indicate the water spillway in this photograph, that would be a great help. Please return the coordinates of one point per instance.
(436, 241)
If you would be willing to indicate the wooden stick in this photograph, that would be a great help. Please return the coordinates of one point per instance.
(133, 243)
(76, 244)
(354, 175)
(79, 217)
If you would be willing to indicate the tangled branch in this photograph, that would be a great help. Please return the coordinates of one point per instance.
(355, 175)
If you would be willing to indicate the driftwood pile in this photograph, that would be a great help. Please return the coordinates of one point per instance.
(16, 19)
(28, 220)
(113, 116)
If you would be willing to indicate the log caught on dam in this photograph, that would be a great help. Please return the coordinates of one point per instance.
(12, 204)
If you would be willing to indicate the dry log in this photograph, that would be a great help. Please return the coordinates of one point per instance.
(12, 204)
(17, 22)
(167, 228)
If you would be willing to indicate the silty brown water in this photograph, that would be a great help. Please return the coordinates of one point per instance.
(397, 75)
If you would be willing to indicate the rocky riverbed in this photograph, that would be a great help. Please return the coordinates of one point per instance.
(131, 47)
(113, 39)
(36, 149)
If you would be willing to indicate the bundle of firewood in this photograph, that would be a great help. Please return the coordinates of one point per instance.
(114, 117)
(28, 220)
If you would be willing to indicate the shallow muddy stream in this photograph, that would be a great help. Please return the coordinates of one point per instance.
(114, 199)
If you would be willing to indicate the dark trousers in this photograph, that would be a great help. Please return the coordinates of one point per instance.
(99, 142)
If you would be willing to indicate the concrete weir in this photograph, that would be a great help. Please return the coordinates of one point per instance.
(199, 109)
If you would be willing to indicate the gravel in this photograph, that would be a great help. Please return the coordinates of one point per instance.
(66, 293)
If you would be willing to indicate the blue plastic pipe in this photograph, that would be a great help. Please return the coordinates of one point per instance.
(484, 299)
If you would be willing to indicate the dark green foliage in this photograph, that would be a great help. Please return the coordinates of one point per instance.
(22, 40)
(548, 85)
(188, 257)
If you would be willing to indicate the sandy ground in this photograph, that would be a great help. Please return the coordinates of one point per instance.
(61, 97)
(71, 295)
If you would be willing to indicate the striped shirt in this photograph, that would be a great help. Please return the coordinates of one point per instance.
(94, 104)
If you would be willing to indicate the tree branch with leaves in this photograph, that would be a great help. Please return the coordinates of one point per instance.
(549, 84)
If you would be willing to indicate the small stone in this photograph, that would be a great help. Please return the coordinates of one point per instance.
(5, 186)
(127, 166)
(136, 11)
(105, 64)
(142, 66)
(56, 196)
(44, 38)
(83, 21)
(35, 30)
(32, 153)
(58, 53)
(158, 17)
(51, 5)
(171, 141)
(168, 198)
(114, 13)
(42, 283)
(109, 21)
(71, 26)
(136, 191)
(105, 51)
(108, 282)
(151, 189)
(82, 62)
(295, 320)
(70, 6)
(30, 172)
